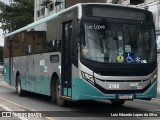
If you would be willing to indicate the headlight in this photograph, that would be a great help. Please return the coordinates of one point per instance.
(153, 78)
(88, 77)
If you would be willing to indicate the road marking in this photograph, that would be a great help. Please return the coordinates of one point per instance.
(49, 118)
(8, 109)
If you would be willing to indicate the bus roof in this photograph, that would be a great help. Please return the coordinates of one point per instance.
(79, 6)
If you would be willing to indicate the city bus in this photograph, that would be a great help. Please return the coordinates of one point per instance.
(89, 51)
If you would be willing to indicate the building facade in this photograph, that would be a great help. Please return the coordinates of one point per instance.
(44, 8)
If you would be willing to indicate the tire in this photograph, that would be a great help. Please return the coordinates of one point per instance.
(20, 92)
(60, 101)
(53, 92)
(118, 102)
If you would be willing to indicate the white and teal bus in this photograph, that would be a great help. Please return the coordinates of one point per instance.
(89, 51)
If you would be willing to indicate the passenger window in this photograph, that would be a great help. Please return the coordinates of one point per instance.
(53, 46)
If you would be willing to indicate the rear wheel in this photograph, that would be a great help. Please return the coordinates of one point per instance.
(117, 102)
(53, 92)
(60, 101)
(19, 90)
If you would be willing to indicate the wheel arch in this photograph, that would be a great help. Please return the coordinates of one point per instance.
(54, 79)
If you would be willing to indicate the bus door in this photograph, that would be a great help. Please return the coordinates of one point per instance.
(10, 82)
(66, 59)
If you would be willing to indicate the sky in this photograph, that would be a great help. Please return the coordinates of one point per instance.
(1, 32)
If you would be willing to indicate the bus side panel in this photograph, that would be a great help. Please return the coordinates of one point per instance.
(39, 81)
(43, 70)
(84, 90)
(38, 72)
(30, 80)
(50, 68)
(39, 63)
(16, 63)
(20, 66)
(46, 85)
(6, 70)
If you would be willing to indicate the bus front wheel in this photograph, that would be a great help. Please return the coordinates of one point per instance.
(117, 102)
(60, 101)
(19, 88)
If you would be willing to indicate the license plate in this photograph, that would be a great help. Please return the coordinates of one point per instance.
(125, 96)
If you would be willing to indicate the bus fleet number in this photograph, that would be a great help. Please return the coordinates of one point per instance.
(115, 86)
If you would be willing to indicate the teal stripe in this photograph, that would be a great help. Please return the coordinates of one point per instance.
(150, 93)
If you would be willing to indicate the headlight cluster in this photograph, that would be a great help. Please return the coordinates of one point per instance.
(153, 78)
(88, 77)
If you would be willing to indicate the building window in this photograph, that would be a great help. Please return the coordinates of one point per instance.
(42, 11)
(51, 7)
(38, 13)
(135, 2)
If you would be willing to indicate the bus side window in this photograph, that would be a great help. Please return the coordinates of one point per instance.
(53, 43)
(6, 48)
(35, 39)
(53, 46)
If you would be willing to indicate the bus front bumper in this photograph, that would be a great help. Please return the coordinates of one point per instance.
(81, 90)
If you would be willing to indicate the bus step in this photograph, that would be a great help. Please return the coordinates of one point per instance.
(67, 97)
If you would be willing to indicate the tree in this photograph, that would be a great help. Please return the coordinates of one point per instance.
(16, 15)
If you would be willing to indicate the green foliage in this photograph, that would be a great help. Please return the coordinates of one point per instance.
(16, 15)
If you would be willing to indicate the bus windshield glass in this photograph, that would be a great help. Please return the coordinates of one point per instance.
(119, 43)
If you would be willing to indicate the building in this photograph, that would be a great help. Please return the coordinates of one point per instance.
(44, 8)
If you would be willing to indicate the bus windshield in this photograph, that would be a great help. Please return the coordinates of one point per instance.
(119, 42)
